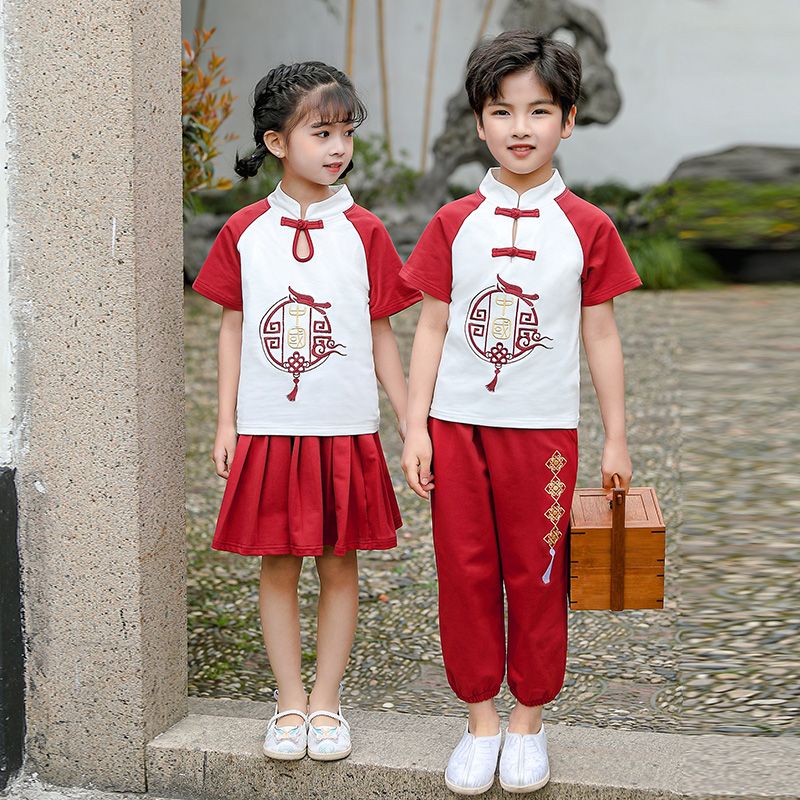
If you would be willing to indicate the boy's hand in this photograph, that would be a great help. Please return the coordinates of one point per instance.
(616, 459)
(416, 462)
(224, 448)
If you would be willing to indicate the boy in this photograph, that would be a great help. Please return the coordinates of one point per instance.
(511, 275)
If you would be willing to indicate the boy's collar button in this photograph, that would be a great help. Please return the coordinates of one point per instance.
(516, 213)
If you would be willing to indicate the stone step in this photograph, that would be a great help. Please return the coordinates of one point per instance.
(215, 753)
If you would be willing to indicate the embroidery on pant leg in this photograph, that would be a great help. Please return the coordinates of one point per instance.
(555, 488)
(296, 336)
(502, 326)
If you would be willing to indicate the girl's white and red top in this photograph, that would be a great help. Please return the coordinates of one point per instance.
(511, 353)
(306, 367)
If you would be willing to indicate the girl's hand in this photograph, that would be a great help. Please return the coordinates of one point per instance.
(416, 462)
(616, 459)
(402, 428)
(224, 448)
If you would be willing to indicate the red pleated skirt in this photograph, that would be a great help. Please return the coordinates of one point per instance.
(296, 494)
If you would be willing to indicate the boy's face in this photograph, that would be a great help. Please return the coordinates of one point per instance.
(523, 126)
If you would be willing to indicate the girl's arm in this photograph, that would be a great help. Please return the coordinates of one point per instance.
(425, 357)
(229, 357)
(604, 354)
(389, 369)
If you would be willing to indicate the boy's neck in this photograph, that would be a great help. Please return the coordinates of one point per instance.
(521, 183)
(304, 191)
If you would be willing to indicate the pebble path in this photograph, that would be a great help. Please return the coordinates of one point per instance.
(713, 405)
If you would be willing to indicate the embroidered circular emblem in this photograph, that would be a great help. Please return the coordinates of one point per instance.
(296, 336)
(502, 326)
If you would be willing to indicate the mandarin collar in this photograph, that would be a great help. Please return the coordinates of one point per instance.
(497, 192)
(337, 203)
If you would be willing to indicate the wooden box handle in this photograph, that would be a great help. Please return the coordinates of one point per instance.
(617, 504)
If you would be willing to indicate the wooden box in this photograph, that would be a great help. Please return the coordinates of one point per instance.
(616, 550)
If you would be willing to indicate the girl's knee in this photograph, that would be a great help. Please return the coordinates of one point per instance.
(281, 568)
(333, 568)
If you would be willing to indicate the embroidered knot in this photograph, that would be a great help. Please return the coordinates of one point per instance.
(516, 213)
(296, 363)
(304, 225)
(499, 354)
(512, 252)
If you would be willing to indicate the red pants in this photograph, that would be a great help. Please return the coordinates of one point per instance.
(500, 513)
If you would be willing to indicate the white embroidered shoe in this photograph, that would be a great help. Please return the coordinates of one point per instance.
(328, 742)
(286, 742)
(523, 765)
(472, 764)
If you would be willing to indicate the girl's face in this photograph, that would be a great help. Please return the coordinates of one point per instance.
(315, 150)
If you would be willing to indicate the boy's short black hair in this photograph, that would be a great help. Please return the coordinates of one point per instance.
(556, 64)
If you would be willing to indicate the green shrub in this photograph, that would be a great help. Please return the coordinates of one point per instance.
(613, 198)
(664, 263)
(725, 213)
(377, 178)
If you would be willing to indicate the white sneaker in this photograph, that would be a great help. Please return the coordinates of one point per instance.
(523, 765)
(285, 742)
(472, 764)
(328, 742)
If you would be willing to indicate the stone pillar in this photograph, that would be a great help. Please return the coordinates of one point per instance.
(96, 306)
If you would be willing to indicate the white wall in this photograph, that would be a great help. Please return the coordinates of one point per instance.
(695, 75)
(264, 34)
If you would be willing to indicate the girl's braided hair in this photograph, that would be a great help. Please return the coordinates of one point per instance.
(287, 93)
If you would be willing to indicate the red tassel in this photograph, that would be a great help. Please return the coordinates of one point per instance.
(492, 385)
(293, 394)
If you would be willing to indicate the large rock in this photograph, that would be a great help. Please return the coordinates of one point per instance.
(748, 163)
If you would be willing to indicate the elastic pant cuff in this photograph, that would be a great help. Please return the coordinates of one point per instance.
(479, 697)
(534, 700)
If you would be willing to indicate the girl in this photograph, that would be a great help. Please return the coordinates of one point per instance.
(307, 280)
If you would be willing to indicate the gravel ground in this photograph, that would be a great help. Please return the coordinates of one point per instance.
(712, 380)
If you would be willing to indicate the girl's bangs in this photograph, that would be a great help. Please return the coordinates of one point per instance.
(331, 104)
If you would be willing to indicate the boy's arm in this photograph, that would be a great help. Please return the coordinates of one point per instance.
(603, 348)
(389, 368)
(425, 356)
(229, 357)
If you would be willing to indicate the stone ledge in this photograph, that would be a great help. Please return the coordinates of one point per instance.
(215, 752)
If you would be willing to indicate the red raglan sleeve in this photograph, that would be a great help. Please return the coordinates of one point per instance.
(607, 268)
(429, 268)
(220, 277)
(387, 293)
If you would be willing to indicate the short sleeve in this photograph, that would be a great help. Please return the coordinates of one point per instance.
(429, 268)
(608, 270)
(220, 277)
(387, 293)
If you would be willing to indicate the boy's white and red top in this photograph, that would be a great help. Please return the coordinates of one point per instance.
(516, 270)
(306, 367)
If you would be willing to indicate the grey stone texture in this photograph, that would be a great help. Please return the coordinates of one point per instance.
(216, 752)
(96, 274)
